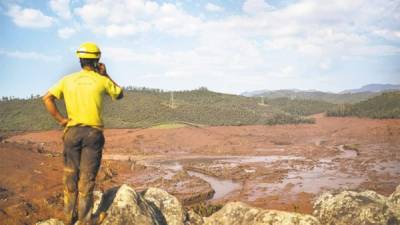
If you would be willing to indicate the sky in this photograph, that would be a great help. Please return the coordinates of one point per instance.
(227, 46)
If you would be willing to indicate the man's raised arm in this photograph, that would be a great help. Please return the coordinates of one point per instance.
(103, 71)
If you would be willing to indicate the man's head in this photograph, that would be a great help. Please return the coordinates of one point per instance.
(91, 63)
(89, 55)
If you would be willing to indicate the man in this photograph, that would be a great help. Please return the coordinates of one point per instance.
(83, 136)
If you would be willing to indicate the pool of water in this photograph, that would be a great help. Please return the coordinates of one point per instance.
(220, 186)
(314, 181)
(390, 167)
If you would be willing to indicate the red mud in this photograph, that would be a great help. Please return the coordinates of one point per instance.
(277, 167)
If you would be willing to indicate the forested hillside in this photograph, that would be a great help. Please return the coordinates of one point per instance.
(148, 107)
(343, 98)
(386, 105)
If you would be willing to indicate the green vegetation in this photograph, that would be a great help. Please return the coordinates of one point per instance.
(149, 107)
(19, 114)
(384, 106)
(300, 106)
(154, 108)
(347, 98)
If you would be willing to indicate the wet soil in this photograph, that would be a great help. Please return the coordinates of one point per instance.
(276, 167)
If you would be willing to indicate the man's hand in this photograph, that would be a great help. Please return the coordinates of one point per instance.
(102, 69)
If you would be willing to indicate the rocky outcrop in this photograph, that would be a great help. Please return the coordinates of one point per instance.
(168, 205)
(358, 208)
(237, 213)
(124, 206)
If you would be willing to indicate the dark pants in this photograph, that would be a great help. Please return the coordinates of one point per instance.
(82, 156)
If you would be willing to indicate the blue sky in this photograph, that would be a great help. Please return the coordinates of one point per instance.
(228, 46)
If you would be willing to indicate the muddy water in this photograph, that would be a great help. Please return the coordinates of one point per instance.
(221, 187)
(258, 159)
(390, 167)
(346, 153)
(323, 175)
(312, 181)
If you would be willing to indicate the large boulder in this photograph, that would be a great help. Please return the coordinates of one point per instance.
(125, 206)
(237, 213)
(350, 207)
(168, 205)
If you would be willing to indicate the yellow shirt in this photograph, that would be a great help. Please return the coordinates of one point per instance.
(83, 95)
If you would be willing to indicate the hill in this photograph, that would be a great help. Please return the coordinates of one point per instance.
(146, 107)
(374, 88)
(314, 95)
(384, 106)
(300, 107)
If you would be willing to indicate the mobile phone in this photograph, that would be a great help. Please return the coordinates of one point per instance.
(96, 67)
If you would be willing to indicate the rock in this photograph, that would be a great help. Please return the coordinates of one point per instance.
(350, 207)
(394, 202)
(125, 206)
(168, 205)
(156, 207)
(50, 222)
(193, 218)
(237, 213)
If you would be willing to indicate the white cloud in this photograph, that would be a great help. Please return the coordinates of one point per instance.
(287, 42)
(393, 35)
(213, 8)
(325, 64)
(29, 56)
(66, 32)
(61, 8)
(31, 18)
(287, 70)
(124, 18)
(256, 6)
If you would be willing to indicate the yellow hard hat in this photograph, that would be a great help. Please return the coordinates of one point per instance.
(88, 50)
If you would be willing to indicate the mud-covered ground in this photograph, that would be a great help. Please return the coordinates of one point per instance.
(277, 167)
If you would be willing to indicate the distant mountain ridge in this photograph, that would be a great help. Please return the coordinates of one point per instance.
(374, 88)
(347, 96)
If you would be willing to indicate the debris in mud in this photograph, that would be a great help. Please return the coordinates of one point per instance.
(55, 200)
(107, 172)
(4, 193)
(353, 147)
